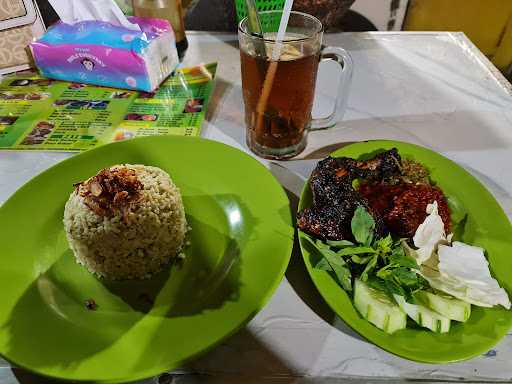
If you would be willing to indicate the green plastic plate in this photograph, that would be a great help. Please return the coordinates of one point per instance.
(241, 242)
(487, 226)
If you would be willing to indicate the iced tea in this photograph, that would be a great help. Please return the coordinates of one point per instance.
(286, 114)
(278, 81)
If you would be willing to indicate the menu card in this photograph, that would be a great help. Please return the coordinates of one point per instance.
(42, 114)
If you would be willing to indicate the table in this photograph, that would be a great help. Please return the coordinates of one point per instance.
(432, 89)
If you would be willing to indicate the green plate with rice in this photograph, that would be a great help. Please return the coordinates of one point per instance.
(240, 245)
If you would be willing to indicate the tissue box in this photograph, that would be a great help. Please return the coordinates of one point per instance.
(100, 53)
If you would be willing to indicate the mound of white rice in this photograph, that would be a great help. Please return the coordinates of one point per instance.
(133, 243)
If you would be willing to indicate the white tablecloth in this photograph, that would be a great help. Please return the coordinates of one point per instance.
(432, 89)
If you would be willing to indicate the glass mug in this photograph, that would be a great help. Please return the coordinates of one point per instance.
(278, 94)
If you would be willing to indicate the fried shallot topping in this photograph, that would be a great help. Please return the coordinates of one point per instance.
(111, 191)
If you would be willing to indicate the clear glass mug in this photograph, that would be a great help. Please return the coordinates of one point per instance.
(279, 94)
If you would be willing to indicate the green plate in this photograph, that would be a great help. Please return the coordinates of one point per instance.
(241, 242)
(487, 226)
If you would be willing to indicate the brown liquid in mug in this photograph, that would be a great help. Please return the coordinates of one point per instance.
(287, 114)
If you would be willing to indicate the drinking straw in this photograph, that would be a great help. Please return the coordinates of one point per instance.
(283, 25)
(272, 69)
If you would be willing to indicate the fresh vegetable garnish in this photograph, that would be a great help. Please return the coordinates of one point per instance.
(456, 268)
(378, 308)
(362, 225)
(381, 262)
(429, 234)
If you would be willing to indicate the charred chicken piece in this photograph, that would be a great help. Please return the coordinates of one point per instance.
(334, 197)
(332, 222)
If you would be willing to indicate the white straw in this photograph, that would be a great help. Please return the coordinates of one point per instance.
(276, 51)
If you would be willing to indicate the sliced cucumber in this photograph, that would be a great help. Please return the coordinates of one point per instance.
(447, 306)
(424, 316)
(378, 308)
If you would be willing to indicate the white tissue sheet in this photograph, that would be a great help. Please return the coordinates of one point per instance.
(73, 11)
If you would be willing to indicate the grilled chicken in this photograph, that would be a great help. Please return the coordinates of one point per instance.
(335, 199)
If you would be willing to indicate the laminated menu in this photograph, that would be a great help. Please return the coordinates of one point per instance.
(42, 114)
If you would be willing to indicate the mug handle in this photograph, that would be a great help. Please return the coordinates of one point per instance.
(342, 57)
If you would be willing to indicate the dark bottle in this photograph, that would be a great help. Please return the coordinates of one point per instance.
(170, 10)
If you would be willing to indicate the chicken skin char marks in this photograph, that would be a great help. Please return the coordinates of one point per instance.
(335, 199)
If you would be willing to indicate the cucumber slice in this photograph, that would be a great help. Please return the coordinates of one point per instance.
(447, 306)
(377, 308)
(424, 316)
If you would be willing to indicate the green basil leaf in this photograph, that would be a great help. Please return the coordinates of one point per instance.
(393, 288)
(320, 244)
(311, 239)
(376, 283)
(398, 250)
(355, 251)
(321, 247)
(409, 297)
(361, 259)
(344, 277)
(400, 259)
(362, 225)
(334, 264)
(369, 267)
(384, 244)
(422, 283)
(340, 243)
(340, 272)
(331, 256)
(384, 272)
(405, 277)
(323, 265)
(387, 286)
